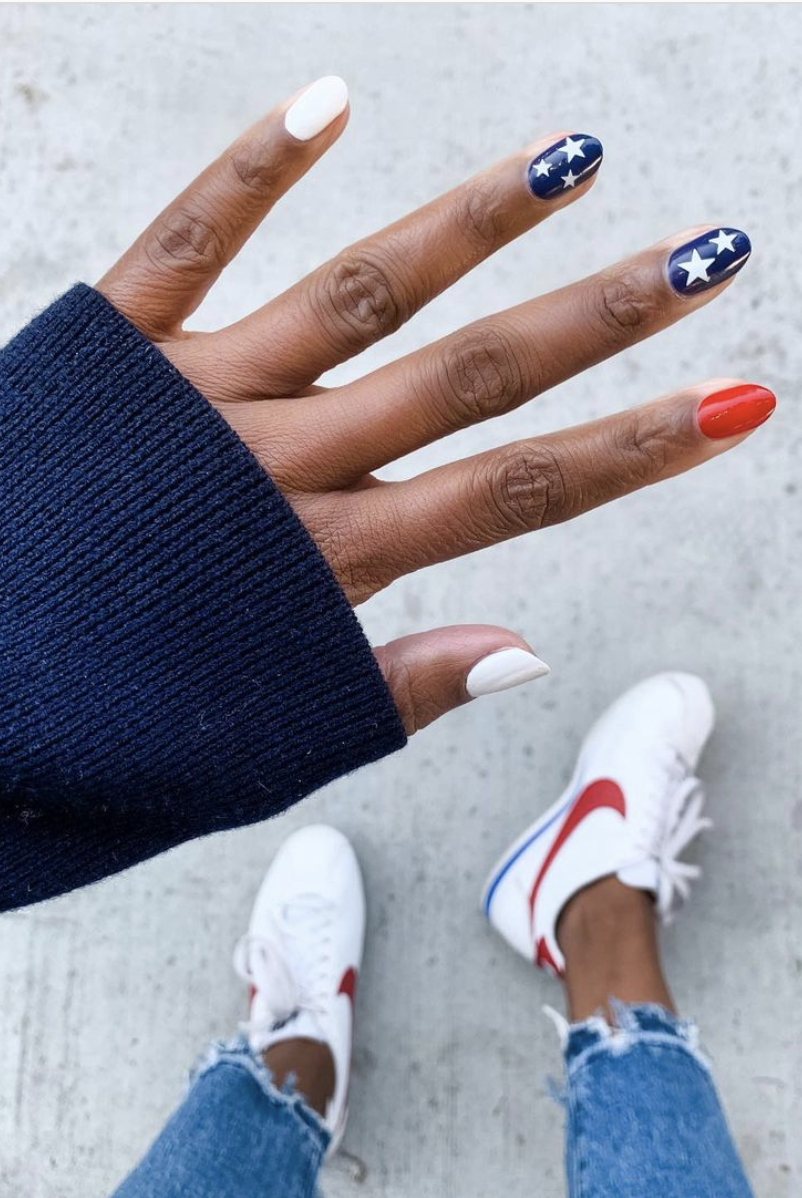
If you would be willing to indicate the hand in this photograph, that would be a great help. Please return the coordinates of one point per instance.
(322, 445)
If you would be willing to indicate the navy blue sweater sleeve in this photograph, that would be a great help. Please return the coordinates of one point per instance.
(176, 656)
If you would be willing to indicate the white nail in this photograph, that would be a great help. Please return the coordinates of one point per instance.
(503, 669)
(316, 107)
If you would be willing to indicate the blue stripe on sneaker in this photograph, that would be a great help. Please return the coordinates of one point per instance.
(508, 864)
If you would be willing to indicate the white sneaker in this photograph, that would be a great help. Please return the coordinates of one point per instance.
(303, 952)
(630, 809)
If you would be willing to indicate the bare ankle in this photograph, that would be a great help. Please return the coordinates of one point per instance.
(608, 935)
(311, 1065)
(604, 911)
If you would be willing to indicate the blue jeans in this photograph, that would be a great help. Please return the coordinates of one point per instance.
(643, 1120)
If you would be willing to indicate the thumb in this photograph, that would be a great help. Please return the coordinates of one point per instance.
(428, 673)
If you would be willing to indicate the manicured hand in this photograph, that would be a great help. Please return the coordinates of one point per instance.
(322, 446)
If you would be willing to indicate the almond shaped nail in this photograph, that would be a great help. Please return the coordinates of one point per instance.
(734, 410)
(316, 108)
(504, 669)
(564, 165)
(708, 260)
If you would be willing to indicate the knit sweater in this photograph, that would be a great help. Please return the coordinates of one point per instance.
(176, 656)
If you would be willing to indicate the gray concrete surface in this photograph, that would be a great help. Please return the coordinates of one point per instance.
(108, 994)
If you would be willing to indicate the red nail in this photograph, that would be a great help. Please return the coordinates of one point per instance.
(735, 410)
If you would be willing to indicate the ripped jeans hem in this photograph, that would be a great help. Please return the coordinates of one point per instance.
(636, 1024)
(238, 1054)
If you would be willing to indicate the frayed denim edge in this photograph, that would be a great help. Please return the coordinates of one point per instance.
(237, 1052)
(625, 1034)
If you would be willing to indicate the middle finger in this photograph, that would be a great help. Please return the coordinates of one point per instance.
(495, 364)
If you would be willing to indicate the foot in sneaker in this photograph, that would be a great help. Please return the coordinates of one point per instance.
(631, 807)
(302, 954)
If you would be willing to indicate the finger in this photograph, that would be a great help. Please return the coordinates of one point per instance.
(430, 673)
(170, 267)
(496, 364)
(531, 484)
(374, 286)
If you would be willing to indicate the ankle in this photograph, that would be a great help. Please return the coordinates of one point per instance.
(604, 914)
(310, 1064)
(608, 935)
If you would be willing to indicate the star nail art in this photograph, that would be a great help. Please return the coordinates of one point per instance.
(708, 260)
(564, 165)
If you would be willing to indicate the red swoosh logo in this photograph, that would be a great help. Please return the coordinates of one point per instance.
(348, 988)
(348, 985)
(603, 793)
(544, 959)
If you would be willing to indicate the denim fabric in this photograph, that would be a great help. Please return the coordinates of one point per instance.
(643, 1116)
(234, 1136)
(644, 1121)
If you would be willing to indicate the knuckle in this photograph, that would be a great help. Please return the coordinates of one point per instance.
(359, 301)
(641, 449)
(185, 240)
(481, 219)
(252, 168)
(480, 377)
(529, 489)
(626, 307)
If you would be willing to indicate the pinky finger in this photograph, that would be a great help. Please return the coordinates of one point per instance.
(429, 673)
(532, 484)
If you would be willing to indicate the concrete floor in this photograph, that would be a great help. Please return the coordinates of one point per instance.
(106, 995)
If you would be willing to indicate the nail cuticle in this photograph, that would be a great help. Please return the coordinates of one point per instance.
(707, 260)
(565, 165)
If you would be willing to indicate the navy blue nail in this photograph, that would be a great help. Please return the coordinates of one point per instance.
(564, 165)
(708, 260)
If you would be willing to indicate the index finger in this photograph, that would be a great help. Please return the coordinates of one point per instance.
(166, 273)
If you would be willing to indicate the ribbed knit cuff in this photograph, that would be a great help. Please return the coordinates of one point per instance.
(176, 656)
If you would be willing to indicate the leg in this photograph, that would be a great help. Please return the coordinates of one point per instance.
(579, 893)
(608, 936)
(235, 1135)
(643, 1116)
(263, 1111)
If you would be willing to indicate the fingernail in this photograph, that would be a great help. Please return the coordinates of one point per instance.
(564, 165)
(316, 107)
(708, 260)
(734, 410)
(503, 669)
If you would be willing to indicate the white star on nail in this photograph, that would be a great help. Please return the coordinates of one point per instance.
(724, 241)
(570, 180)
(697, 268)
(542, 168)
(573, 149)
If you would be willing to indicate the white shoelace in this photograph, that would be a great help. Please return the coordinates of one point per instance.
(684, 822)
(667, 831)
(289, 964)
